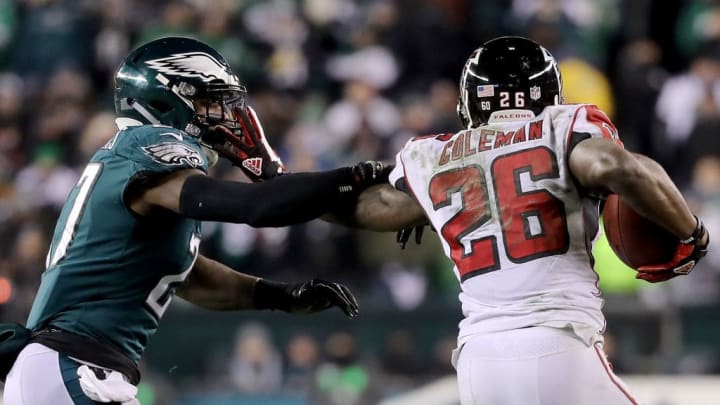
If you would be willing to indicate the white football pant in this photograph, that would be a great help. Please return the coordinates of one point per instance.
(536, 366)
(42, 376)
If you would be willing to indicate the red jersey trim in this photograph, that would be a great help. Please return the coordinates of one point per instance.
(613, 377)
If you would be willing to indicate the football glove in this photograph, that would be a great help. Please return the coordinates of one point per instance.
(370, 173)
(304, 298)
(687, 254)
(403, 236)
(247, 147)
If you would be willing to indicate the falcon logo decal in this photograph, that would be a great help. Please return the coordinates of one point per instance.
(173, 153)
(193, 64)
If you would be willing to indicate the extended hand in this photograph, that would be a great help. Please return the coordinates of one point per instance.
(319, 295)
(247, 147)
(370, 173)
(403, 236)
(304, 298)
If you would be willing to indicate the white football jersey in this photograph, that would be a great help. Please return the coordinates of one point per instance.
(512, 219)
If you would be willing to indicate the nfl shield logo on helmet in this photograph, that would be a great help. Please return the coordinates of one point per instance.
(535, 93)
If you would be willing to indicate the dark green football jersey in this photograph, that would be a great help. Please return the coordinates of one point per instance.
(111, 273)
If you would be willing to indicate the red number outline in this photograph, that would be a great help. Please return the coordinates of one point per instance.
(511, 202)
(441, 188)
(505, 195)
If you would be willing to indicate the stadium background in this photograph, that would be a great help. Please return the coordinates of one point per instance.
(336, 82)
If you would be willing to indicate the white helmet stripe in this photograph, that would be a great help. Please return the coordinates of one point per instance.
(464, 93)
(542, 72)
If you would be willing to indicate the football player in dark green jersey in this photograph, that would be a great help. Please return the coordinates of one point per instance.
(128, 236)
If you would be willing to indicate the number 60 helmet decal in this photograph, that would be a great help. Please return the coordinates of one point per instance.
(507, 73)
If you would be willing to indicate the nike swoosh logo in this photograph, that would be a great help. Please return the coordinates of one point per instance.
(173, 134)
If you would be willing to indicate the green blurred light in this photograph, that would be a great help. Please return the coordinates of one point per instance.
(615, 276)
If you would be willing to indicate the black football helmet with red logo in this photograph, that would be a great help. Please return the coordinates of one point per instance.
(507, 73)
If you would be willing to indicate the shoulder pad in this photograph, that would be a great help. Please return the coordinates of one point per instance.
(161, 147)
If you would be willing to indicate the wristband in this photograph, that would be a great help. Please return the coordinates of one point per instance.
(697, 233)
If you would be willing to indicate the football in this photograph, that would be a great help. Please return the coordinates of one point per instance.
(635, 239)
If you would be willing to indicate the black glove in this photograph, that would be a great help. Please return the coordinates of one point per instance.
(370, 173)
(403, 236)
(687, 254)
(246, 147)
(304, 298)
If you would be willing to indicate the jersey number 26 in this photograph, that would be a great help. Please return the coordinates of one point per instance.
(533, 223)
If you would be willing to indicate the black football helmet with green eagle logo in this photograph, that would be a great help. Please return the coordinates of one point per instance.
(158, 82)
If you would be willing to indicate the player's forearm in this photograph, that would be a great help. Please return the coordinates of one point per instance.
(382, 208)
(287, 200)
(213, 285)
(645, 185)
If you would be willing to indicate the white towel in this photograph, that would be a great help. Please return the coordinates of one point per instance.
(113, 388)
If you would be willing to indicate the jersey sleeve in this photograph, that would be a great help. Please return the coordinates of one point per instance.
(397, 175)
(141, 154)
(591, 122)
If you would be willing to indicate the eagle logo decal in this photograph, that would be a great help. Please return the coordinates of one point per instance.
(193, 64)
(173, 154)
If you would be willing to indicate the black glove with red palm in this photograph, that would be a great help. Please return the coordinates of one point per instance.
(687, 254)
(247, 147)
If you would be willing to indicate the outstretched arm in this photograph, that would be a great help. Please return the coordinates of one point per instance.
(213, 285)
(383, 208)
(286, 200)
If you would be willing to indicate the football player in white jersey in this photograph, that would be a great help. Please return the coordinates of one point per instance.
(515, 200)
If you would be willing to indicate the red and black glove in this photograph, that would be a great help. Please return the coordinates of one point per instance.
(247, 147)
(687, 254)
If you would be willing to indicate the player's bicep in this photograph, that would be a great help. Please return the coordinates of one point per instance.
(595, 161)
(163, 191)
(383, 208)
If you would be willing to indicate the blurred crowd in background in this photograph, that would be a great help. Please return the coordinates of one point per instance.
(336, 82)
